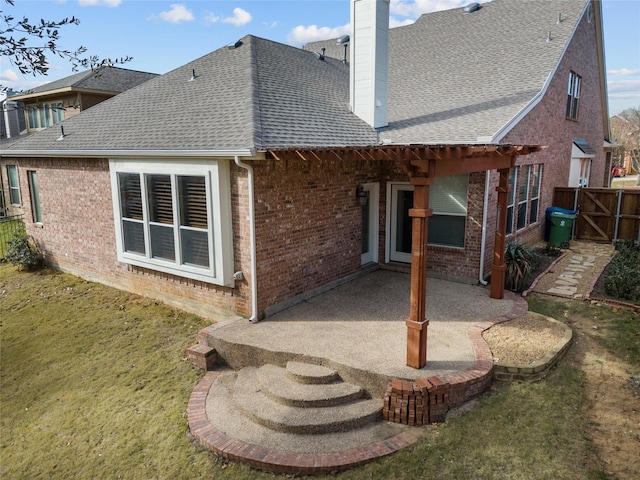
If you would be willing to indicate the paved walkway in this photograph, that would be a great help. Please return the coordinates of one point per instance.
(574, 274)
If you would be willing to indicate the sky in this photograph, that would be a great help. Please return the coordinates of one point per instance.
(163, 35)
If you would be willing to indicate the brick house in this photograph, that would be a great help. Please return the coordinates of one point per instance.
(49, 104)
(274, 177)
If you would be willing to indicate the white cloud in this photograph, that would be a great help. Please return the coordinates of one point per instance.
(99, 3)
(623, 72)
(415, 8)
(302, 35)
(240, 17)
(178, 13)
(8, 76)
(211, 18)
(624, 89)
(394, 22)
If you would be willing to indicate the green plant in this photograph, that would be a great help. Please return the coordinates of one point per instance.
(520, 261)
(23, 252)
(551, 250)
(622, 279)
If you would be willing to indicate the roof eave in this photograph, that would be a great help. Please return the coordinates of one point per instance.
(60, 91)
(242, 152)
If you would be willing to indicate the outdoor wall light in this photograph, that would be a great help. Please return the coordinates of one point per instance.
(362, 195)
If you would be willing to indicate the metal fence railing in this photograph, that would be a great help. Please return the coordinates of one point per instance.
(8, 227)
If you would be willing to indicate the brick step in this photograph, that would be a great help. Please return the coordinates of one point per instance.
(311, 374)
(276, 384)
(261, 409)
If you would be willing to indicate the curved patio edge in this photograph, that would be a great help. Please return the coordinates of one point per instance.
(427, 400)
(539, 369)
(278, 461)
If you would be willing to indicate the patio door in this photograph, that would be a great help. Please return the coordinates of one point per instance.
(401, 195)
(369, 246)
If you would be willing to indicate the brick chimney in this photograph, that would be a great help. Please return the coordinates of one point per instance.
(369, 67)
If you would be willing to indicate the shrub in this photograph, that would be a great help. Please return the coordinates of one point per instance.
(520, 262)
(622, 279)
(23, 252)
(551, 250)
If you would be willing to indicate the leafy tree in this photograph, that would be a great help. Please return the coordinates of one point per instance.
(26, 44)
(625, 131)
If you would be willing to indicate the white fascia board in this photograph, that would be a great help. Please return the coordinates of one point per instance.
(129, 153)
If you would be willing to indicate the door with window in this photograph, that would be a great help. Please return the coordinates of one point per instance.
(447, 225)
(369, 212)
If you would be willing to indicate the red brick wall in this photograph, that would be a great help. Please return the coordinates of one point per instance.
(77, 234)
(308, 222)
(546, 124)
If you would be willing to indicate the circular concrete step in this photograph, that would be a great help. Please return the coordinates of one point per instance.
(276, 384)
(311, 374)
(216, 423)
(254, 404)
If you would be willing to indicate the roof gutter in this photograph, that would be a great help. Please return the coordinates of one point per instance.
(246, 152)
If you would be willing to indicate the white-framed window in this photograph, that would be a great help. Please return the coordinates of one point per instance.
(174, 217)
(14, 185)
(523, 198)
(536, 182)
(513, 180)
(45, 114)
(448, 200)
(573, 95)
(34, 190)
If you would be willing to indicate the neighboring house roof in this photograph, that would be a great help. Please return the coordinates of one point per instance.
(110, 80)
(453, 78)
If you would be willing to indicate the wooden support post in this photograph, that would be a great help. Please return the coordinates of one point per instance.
(417, 322)
(498, 267)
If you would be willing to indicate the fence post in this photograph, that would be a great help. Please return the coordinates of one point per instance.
(615, 230)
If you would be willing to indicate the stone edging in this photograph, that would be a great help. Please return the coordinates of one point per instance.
(548, 269)
(539, 369)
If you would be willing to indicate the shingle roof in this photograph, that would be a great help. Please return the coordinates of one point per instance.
(453, 78)
(108, 79)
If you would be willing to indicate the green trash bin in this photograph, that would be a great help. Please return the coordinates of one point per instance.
(561, 226)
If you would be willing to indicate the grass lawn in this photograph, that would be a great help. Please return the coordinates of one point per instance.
(94, 384)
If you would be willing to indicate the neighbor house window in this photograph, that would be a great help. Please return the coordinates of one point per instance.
(573, 95)
(448, 200)
(523, 197)
(174, 217)
(536, 181)
(34, 190)
(14, 185)
(513, 178)
(45, 115)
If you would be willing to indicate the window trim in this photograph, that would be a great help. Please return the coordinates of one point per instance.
(511, 202)
(527, 179)
(536, 178)
(44, 115)
(34, 193)
(14, 188)
(220, 231)
(574, 89)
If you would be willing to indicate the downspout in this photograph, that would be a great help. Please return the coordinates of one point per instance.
(252, 234)
(483, 241)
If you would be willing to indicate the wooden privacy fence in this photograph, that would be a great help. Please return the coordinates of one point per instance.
(604, 214)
